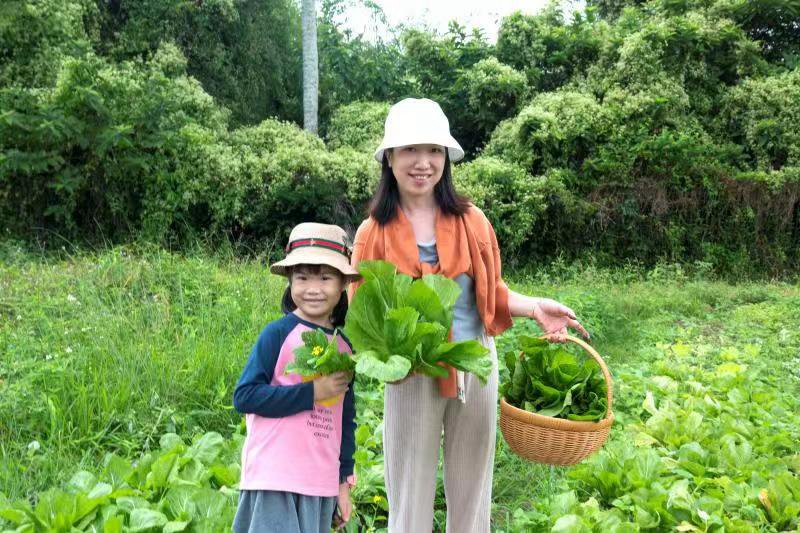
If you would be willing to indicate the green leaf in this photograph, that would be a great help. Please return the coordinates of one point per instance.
(381, 275)
(144, 519)
(399, 328)
(162, 470)
(171, 527)
(570, 523)
(116, 469)
(446, 289)
(113, 524)
(227, 476)
(365, 316)
(551, 382)
(396, 367)
(81, 482)
(169, 441)
(207, 448)
(468, 356)
(319, 355)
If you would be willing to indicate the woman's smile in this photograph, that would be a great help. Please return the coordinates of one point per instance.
(417, 168)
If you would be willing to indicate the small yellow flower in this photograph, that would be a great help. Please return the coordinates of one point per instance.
(377, 499)
(316, 351)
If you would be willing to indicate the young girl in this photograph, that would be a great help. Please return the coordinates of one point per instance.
(297, 459)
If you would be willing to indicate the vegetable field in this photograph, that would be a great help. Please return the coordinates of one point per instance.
(117, 370)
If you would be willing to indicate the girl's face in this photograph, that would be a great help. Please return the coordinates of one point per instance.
(417, 168)
(316, 292)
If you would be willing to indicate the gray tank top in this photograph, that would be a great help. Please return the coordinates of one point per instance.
(467, 322)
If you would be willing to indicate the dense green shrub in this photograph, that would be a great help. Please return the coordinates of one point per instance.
(358, 125)
(492, 92)
(650, 130)
(124, 150)
(245, 53)
(511, 199)
(763, 116)
(546, 48)
(37, 36)
(101, 153)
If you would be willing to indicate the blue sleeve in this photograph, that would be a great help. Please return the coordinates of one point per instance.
(346, 461)
(254, 394)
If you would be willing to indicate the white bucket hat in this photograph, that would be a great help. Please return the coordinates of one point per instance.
(418, 121)
(311, 243)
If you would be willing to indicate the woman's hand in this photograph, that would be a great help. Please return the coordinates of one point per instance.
(554, 318)
(345, 505)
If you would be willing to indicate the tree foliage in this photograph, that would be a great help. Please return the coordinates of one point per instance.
(644, 130)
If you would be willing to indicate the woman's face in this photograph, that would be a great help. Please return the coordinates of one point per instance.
(417, 168)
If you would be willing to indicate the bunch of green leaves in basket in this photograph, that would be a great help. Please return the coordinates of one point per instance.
(178, 487)
(551, 381)
(398, 325)
(319, 355)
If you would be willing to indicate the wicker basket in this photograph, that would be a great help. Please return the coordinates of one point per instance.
(556, 441)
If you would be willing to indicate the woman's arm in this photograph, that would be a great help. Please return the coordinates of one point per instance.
(521, 305)
(552, 316)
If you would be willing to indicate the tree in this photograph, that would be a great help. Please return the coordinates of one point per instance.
(310, 66)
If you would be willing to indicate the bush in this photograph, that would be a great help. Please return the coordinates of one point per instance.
(245, 53)
(548, 50)
(511, 199)
(358, 125)
(38, 36)
(556, 130)
(762, 116)
(101, 152)
(137, 149)
(492, 93)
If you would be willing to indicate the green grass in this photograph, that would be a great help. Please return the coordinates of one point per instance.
(105, 352)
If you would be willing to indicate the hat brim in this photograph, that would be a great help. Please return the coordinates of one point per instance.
(454, 149)
(316, 256)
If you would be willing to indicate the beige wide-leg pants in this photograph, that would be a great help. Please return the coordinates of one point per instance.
(414, 418)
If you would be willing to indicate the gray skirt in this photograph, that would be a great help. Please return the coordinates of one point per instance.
(270, 511)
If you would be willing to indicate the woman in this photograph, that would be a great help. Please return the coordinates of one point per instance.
(418, 222)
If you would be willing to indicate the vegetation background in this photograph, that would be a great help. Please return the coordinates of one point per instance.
(639, 161)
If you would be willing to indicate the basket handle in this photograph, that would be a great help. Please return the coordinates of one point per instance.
(598, 359)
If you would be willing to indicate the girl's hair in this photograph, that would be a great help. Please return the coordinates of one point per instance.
(384, 203)
(287, 304)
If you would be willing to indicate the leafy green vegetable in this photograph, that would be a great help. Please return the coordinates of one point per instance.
(171, 489)
(319, 355)
(550, 381)
(398, 325)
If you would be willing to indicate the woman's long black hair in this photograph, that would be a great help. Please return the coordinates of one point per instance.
(385, 201)
(287, 304)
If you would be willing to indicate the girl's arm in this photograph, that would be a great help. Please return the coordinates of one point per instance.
(254, 394)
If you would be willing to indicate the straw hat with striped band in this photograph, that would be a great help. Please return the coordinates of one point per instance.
(317, 244)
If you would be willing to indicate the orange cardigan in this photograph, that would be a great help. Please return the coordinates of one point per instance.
(465, 244)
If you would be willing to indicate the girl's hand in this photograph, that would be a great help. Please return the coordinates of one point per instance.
(331, 385)
(345, 505)
(554, 318)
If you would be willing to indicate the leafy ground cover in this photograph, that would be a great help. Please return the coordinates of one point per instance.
(117, 369)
